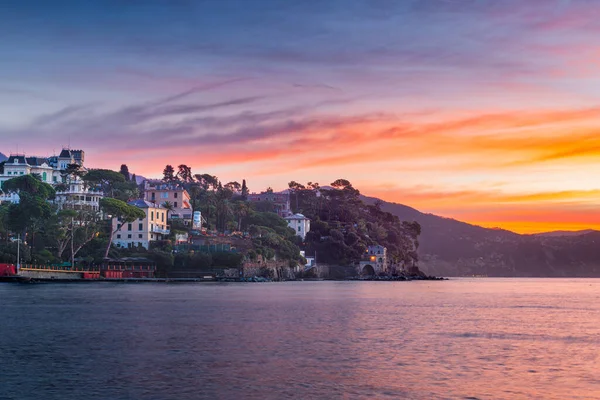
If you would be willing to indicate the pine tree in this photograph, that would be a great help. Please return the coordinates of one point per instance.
(125, 172)
(169, 174)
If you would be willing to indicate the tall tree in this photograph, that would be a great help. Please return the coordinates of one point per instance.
(122, 212)
(169, 174)
(244, 190)
(185, 173)
(295, 188)
(134, 178)
(125, 172)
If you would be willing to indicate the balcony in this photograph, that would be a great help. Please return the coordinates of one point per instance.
(161, 231)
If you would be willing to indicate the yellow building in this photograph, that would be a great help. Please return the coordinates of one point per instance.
(141, 232)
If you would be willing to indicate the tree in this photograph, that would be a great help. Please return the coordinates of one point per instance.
(125, 172)
(296, 187)
(123, 212)
(244, 190)
(185, 173)
(207, 181)
(104, 179)
(167, 205)
(241, 210)
(169, 174)
(72, 172)
(29, 184)
(134, 178)
(233, 186)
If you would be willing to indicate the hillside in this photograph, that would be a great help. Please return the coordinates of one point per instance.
(3, 157)
(453, 248)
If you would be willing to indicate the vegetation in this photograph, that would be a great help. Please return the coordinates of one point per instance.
(341, 229)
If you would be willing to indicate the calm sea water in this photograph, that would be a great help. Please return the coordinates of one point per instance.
(458, 339)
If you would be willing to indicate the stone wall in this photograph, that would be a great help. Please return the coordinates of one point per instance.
(40, 274)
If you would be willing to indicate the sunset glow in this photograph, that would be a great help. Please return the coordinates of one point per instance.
(487, 112)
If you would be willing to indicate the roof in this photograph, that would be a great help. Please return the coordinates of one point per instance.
(19, 159)
(143, 204)
(36, 161)
(65, 153)
(296, 216)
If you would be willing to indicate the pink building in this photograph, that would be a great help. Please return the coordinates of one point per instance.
(159, 192)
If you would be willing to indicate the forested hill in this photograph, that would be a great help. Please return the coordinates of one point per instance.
(453, 248)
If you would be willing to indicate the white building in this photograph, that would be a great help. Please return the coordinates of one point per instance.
(51, 170)
(77, 196)
(141, 232)
(299, 223)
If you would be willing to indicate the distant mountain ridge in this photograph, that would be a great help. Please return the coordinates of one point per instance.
(453, 248)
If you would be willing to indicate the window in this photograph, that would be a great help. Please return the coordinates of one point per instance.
(153, 196)
(54, 179)
(129, 236)
(140, 236)
(162, 217)
(129, 228)
(44, 176)
(175, 196)
(175, 205)
(141, 227)
(9, 173)
(151, 236)
(21, 172)
(164, 195)
(152, 216)
(118, 236)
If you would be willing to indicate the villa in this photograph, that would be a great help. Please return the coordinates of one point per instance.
(159, 192)
(71, 191)
(299, 223)
(142, 232)
(280, 201)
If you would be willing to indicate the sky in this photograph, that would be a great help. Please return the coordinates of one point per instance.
(487, 111)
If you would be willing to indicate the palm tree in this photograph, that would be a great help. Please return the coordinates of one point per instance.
(241, 210)
(167, 205)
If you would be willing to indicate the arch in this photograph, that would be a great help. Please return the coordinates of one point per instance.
(368, 270)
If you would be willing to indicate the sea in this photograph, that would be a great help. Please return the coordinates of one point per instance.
(464, 338)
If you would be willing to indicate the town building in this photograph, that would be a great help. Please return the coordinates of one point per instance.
(142, 232)
(159, 192)
(300, 224)
(51, 170)
(374, 261)
(76, 196)
(280, 201)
